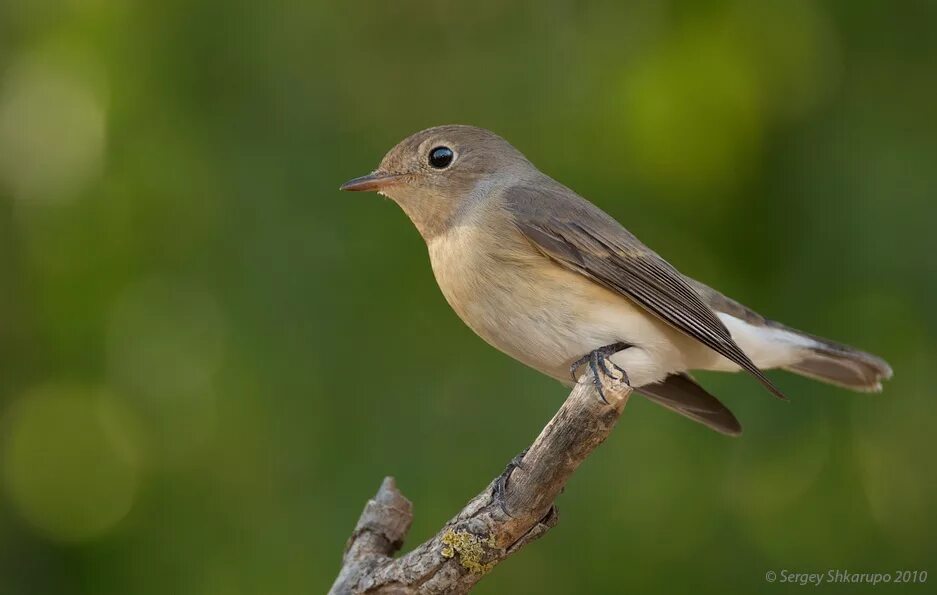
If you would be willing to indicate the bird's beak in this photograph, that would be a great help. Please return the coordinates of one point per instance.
(377, 180)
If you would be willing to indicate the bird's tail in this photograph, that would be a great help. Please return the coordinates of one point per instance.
(840, 364)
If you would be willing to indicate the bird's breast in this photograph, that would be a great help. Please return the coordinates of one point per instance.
(524, 304)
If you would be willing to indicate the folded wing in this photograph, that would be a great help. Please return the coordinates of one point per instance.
(579, 236)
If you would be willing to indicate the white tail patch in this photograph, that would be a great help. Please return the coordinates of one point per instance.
(767, 346)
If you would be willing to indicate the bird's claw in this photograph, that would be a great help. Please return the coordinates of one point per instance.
(600, 364)
(501, 483)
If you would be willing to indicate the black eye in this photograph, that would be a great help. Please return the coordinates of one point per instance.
(441, 157)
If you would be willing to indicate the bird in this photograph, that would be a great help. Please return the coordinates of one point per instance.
(550, 279)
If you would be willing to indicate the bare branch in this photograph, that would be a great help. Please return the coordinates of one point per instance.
(512, 511)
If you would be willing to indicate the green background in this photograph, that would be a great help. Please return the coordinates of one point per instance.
(209, 357)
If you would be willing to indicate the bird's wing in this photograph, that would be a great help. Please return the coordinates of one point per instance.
(682, 394)
(579, 236)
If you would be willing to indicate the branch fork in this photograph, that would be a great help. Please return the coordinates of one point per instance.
(512, 511)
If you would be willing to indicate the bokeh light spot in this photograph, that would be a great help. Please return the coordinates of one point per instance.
(697, 108)
(52, 130)
(692, 112)
(900, 487)
(69, 463)
(771, 476)
(165, 343)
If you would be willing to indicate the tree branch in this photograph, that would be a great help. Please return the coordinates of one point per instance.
(512, 511)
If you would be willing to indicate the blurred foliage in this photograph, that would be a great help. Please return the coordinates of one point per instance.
(209, 357)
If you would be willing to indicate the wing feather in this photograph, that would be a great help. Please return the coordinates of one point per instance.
(680, 393)
(577, 235)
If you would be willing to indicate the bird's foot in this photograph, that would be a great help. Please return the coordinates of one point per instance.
(600, 365)
(501, 484)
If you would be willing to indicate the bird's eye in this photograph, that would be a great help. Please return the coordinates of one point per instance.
(441, 157)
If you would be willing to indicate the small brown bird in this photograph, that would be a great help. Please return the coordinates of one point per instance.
(553, 281)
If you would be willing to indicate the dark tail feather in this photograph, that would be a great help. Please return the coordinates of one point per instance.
(843, 366)
(681, 394)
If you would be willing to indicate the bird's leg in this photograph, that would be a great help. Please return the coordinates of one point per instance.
(599, 364)
(501, 483)
(600, 355)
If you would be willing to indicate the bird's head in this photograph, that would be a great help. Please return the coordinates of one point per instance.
(432, 173)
